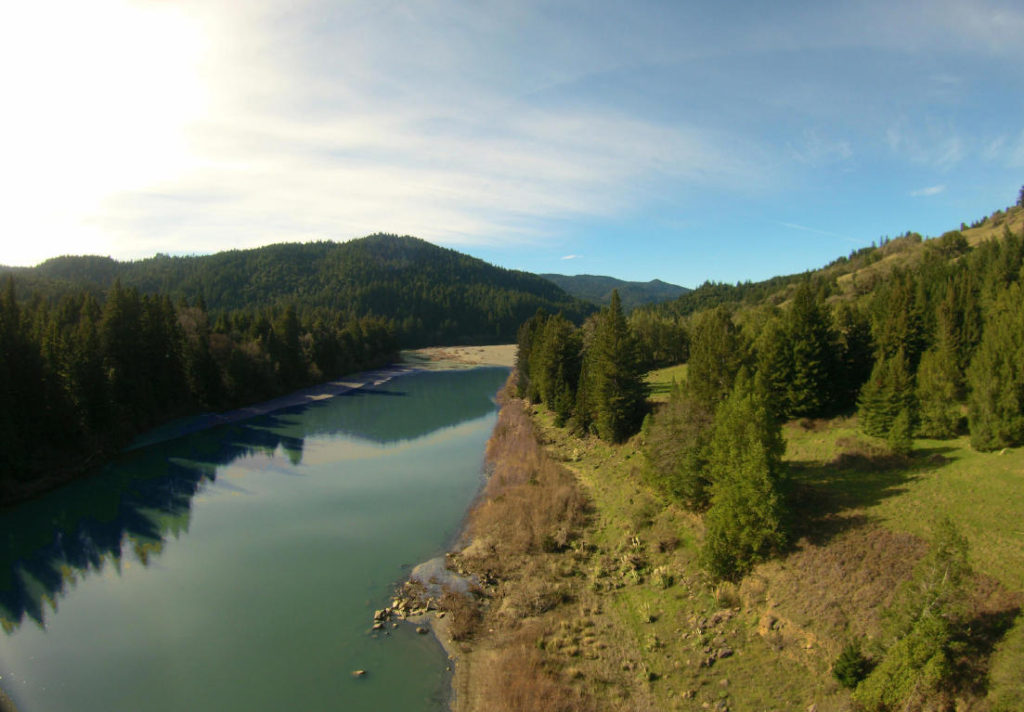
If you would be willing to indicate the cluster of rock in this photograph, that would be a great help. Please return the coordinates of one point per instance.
(409, 603)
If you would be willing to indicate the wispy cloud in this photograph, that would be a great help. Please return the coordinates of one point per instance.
(816, 231)
(927, 192)
(931, 144)
(571, 257)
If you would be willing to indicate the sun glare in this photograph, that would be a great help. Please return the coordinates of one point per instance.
(98, 96)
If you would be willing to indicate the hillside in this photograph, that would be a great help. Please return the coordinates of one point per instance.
(818, 510)
(856, 274)
(431, 295)
(598, 289)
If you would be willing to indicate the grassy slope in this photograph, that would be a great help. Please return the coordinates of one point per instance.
(863, 518)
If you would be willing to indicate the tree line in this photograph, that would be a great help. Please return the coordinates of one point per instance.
(428, 295)
(934, 350)
(81, 375)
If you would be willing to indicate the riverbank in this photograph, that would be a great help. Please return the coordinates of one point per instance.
(603, 605)
(410, 361)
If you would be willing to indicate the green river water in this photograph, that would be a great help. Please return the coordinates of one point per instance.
(238, 568)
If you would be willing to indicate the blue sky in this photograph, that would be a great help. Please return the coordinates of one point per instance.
(676, 140)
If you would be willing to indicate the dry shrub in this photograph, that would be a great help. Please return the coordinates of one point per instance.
(840, 587)
(520, 680)
(533, 596)
(530, 503)
(463, 614)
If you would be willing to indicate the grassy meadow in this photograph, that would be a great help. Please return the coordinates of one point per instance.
(632, 623)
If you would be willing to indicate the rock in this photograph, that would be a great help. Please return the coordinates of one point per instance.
(358, 673)
(421, 630)
(378, 626)
(440, 614)
(724, 653)
(767, 624)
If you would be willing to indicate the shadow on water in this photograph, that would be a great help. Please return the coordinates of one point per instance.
(146, 495)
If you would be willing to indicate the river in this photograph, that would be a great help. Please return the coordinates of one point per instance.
(238, 567)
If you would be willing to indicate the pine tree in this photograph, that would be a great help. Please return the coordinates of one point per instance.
(717, 351)
(922, 625)
(854, 354)
(996, 376)
(810, 340)
(747, 518)
(775, 364)
(937, 397)
(555, 366)
(888, 391)
(676, 449)
(618, 390)
(897, 322)
(529, 333)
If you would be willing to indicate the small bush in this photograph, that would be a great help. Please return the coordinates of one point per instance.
(851, 666)
(463, 613)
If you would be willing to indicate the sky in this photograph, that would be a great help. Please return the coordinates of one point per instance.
(679, 140)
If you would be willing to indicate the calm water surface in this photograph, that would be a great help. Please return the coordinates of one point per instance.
(238, 568)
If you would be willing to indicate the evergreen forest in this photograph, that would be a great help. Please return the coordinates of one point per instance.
(909, 339)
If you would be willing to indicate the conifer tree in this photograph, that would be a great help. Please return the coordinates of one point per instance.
(807, 326)
(555, 366)
(775, 364)
(529, 333)
(853, 354)
(888, 391)
(937, 396)
(996, 376)
(747, 518)
(921, 628)
(717, 351)
(618, 391)
(676, 449)
(897, 322)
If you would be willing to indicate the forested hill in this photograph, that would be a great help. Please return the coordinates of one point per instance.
(598, 289)
(429, 294)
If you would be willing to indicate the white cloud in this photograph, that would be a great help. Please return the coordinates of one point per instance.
(928, 192)
(571, 257)
(934, 145)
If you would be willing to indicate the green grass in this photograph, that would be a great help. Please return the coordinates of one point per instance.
(842, 479)
(662, 380)
(983, 493)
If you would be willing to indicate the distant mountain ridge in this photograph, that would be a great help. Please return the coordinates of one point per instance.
(598, 289)
(432, 295)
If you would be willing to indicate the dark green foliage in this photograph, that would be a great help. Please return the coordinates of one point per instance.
(901, 434)
(888, 393)
(810, 341)
(775, 364)
(937, 396)
(896, 318)
(616, 388)
(676, 449)
(996, 376)
(80, 379)
(851, 666)
(717, 351)
(747, 518)
(555, 366)
(430, 295)
(527, 336)
(853, 354)
(661, 340)
(922, 628)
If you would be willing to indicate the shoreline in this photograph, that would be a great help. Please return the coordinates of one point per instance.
(433, 358)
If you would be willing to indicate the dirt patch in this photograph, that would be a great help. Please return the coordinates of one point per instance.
(452, 357)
